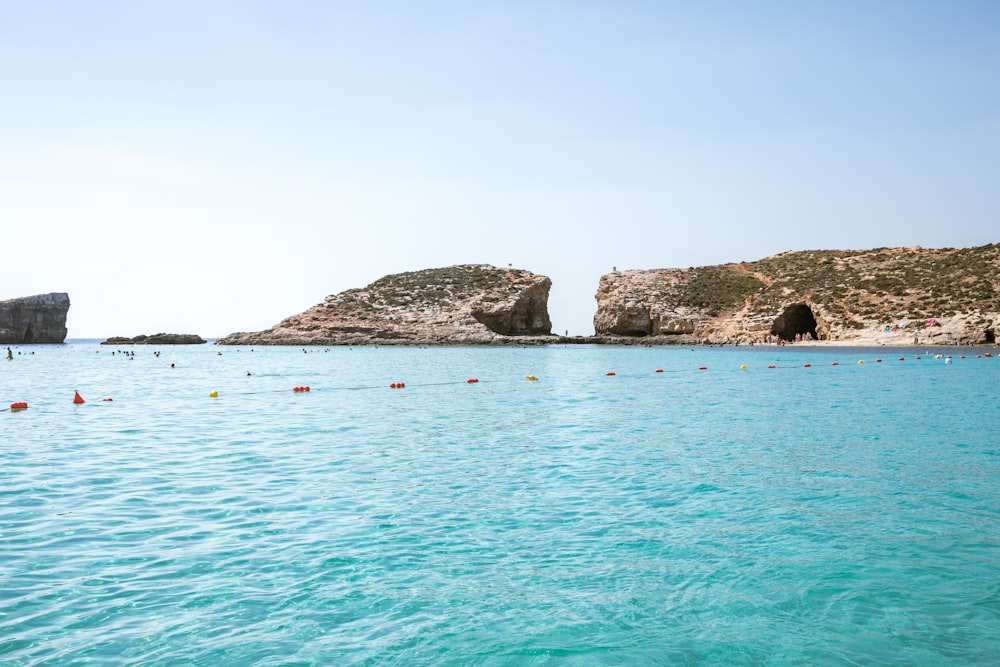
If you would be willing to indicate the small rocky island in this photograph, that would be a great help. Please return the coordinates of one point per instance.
(34, 319)
(157, 339)
(466, 304)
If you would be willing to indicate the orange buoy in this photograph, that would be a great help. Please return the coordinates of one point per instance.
(19, 405)
(987, 354)
(771, 366)
(806, 365)
(397, 385)
(610, 373)
(658, 370)
(472, 380)
(77, 398)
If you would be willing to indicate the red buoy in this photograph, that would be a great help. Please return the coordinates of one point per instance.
(806, 365)
(878, 361)
(19, 405)
(472, 380)
(836, 363)
(702, 368)
(902, 358)
(770, 366)
(610, 373)
(659, 370)
(77, 398)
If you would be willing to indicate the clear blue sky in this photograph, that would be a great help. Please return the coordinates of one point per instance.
(209, 167)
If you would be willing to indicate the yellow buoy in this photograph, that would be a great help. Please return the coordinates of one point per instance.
(743, 367)
(530, 377)
(214, 394)
(861, 361)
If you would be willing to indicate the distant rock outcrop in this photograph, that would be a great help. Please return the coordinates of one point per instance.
(157, 339)
(899, 296)
(34, 319)
(465, 304)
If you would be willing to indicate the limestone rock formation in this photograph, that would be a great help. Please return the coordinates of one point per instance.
(465, 304)
(157, 339)
(900, 296)
(34, 319)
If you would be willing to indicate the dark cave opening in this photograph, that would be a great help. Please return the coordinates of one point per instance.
(796, 319)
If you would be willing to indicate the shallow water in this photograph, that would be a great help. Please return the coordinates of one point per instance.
(827, 514)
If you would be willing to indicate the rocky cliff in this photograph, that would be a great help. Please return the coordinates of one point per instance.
(466, 304)
(34, 319)
(881, 296)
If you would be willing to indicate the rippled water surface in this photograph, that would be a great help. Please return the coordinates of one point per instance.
(829, 514)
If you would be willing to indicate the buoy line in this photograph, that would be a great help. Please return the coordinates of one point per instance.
(19, 406)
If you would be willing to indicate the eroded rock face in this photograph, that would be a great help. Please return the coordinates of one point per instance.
(646, 303)
(527, 316)
(34, 319)
(465, 304)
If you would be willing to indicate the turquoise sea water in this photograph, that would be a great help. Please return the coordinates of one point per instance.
(840, 515)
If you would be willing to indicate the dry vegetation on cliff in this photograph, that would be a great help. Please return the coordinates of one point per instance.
(850, 291)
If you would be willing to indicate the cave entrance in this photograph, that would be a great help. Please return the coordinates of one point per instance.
(990, 337)
(796, 319)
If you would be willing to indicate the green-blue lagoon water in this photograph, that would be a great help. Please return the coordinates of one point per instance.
(832, 514)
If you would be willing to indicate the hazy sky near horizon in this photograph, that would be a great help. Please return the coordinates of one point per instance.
(215, 166)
